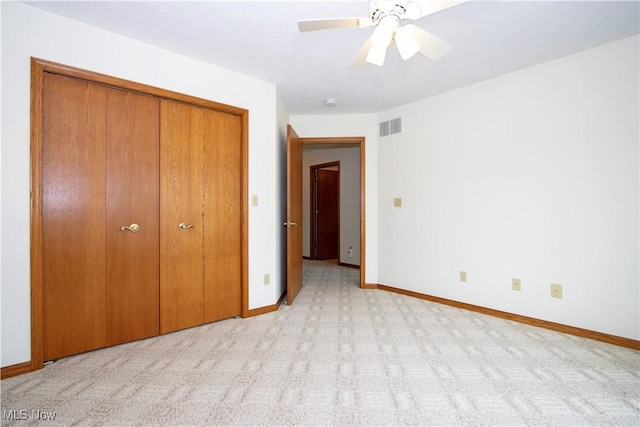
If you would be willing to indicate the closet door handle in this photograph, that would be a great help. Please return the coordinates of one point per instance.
(184, 226)
(132, 228)
(290, 224)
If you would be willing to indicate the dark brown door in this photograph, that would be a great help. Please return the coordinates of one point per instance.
(294, 214)
(132, 198)
(222, 216)
(326, 219)
(181, 225)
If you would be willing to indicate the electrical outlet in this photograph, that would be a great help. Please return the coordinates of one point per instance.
(350, 251)
(556, 290)
(463, 276)
(516, 284)
(267, 278)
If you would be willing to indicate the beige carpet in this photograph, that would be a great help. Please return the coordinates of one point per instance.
(340, 356)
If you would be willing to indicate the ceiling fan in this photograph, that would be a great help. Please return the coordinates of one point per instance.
(386, 16)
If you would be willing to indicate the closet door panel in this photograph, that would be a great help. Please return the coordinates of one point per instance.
(222, 216)
(73, 216)
(132, 198)
(181, 265)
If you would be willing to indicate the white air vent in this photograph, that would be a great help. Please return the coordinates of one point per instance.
(384, 128)
(391, 127)
(395, 125)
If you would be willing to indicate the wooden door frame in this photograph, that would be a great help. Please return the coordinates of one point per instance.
(312, 191)
(358, 141)
(38, 69)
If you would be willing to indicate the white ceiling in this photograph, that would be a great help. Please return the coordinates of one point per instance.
(260, 39)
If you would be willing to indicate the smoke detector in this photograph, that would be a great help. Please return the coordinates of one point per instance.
(330, 102)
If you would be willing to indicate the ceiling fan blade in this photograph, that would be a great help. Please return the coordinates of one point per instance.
(327, 24)
(360, 61)
(419, 8)
(430, 46)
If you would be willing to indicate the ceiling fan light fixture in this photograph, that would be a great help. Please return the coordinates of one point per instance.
(376, 54)
(383, 34)
(386, 16)
(381, 39)
(407, 44)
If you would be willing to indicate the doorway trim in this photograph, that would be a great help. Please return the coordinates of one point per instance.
(344, 142)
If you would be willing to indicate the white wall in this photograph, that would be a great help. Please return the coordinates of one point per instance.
(531, 175)
(349, 159)
(334, 125)
(27, 32)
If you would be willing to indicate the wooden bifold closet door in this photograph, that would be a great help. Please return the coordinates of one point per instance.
(142, 215)
(99, 173)
(132, 198)
(200, 188)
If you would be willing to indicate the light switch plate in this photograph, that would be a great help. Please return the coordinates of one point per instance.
(397, 202)
(254, 200)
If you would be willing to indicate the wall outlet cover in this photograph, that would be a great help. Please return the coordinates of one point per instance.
(556, 290)
(516, 284)
(463, 276)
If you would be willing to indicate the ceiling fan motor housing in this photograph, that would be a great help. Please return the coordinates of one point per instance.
(382, 9)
